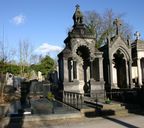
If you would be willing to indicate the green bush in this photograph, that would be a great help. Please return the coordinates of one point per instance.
(50, 96)
(107, 101)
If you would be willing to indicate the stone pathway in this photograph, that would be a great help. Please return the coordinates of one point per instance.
(130, 121)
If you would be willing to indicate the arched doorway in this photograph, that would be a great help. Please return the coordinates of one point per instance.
(84, 53)
(120, 75)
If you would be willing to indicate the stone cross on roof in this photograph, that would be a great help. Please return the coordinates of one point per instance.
(117, 23)
(137, 35)
(77, 6)
(78, 16)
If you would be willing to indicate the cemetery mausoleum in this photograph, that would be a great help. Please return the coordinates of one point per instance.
(117, 61)
(80, 63)
(83, 68)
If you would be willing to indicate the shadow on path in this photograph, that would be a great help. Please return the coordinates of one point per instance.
(120, 122)
(15, 122)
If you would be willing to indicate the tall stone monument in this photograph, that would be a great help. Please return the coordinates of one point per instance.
(117, 61)
(80, 63)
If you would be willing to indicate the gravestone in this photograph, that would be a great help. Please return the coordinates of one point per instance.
(33, 75)
(46, 88)
(36, 87)
(40, 77)
(17, 82)
(39, 88)
(9, 79)
(25, 91)
(9, 88)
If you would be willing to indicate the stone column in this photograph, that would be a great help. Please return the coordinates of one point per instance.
(71, 70)
(114, 70)
(74, 69)
(139, 72)
(127, 73)
(101, 69)
(110, 74)
(77, 69)
(85, 87)
(142, 68)
(65, 70)
(85, 73)
(130, 73)
(91, 69)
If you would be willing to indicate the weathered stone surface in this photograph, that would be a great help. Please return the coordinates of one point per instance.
(77, 68)
(117, 63)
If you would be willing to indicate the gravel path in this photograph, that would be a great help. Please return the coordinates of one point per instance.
(130, 121)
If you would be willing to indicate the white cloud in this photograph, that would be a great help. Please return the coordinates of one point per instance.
(19, 19)
(48, 48)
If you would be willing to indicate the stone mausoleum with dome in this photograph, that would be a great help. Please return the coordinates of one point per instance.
(83, 68)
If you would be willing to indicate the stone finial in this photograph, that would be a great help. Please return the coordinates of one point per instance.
(78, 16)
(117, 23)
(137, 35)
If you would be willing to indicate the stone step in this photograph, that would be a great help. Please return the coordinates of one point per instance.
(131, 106)
(122, 113)
(105, 111)
(116, 108)
(113, 106)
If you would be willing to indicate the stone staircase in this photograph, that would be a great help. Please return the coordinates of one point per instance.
(114, 108)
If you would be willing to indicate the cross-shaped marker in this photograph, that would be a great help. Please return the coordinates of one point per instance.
(117, 23)
(137, 35)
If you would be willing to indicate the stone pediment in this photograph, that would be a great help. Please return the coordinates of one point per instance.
(118, 42)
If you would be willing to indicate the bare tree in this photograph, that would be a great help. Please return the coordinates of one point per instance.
(109, 16)
(35, 58)
(25, 53)
(3, 56)
(6, 54)
(102, 25)
(2, 66)
(93, 21)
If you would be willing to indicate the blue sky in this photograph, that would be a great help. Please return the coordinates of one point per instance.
(44, 23)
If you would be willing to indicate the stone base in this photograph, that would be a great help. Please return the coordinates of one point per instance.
(71, 86)
(97, 89)
(96, 85)
(78, 86)
(114, 86)
(132, 85)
